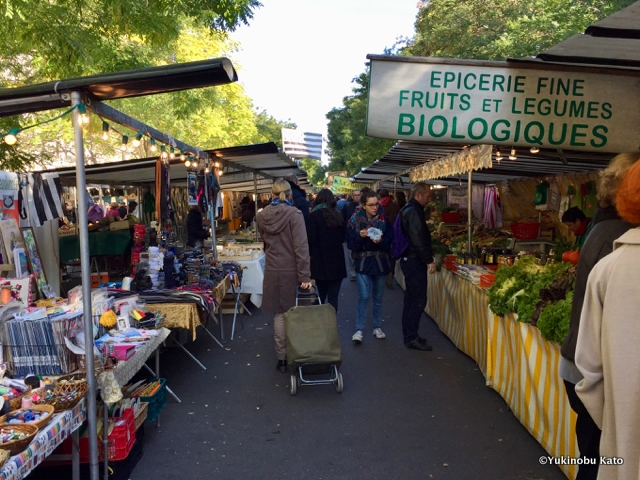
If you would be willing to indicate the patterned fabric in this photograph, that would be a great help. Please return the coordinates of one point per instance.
(111, 381)
(45, 192)
(359, 221)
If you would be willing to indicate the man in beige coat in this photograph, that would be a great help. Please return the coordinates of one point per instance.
(608, 347)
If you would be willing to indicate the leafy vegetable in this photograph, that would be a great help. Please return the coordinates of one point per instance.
(554, 320)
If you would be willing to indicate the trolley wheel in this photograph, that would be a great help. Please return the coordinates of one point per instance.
(339, 383)
(294, 384)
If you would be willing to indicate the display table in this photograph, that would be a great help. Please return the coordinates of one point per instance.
(100, 243)
(178, 315)
(111, 381)
(514, 358)
(61, 426)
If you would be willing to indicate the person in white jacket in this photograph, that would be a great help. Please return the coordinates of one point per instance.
(608, 347)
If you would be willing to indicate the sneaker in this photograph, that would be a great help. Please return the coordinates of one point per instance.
(357, 337)
(422, 340)
(417, 345)
(379, 333)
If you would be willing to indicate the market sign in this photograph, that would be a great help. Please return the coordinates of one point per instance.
(469, 102)
(342, 185)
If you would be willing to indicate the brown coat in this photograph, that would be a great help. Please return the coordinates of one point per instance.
(284, 234)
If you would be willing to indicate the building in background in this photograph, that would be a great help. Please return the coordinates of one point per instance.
(299, 144)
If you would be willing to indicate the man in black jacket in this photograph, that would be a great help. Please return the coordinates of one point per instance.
(415, 262)
(299, 197)
(195, 231)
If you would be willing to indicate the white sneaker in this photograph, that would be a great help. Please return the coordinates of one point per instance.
(357, 337)
(379, 333)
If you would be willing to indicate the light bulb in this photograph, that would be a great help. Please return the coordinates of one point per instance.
(10, 138)
(534, 150)
(125, 140)
(82, 110)
(163, 152)
(187, 164)
(512, 156)
(172, 152)
(194, 164)
(220, 172)
(206, 170)
(137, 140)
(153, 147)
(182, 155)
(105, 130)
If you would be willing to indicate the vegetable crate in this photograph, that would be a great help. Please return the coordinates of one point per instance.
(156, 402)
(525, 230)
(450, 217)
(487, 280)
(121, 439)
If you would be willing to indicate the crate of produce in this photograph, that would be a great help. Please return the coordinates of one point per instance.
(525, 230)
(487, 280)
(157, 399)
(450, 217)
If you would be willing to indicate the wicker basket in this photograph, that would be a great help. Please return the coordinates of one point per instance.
(525, 231)
(16, 402)
(60, 390)
(17, 446)
(142, 414)
(39, 423)
(4, 457)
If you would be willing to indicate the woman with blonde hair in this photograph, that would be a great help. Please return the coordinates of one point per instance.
(607, 227)
(283, 231)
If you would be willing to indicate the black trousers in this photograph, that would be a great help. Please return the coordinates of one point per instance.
(415, 296)
(329, 291)
(587, 434)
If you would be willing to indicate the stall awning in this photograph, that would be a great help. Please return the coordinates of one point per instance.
(239, 164)
(405, 155)
(110, 86)
(612, 42)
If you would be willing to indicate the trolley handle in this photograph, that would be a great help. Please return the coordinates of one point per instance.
(310, 294)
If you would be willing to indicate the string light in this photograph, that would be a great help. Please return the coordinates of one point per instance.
(153, 147)
(82, 110)
(182, 155)
(194, 164)
(534, 150)
(163, 152)
(220, 172)
(125, 141)
(10, 138)
(105, 130)
(187, 164)
(206, 170)
(137, 140)
(513, 154)
(172, 152)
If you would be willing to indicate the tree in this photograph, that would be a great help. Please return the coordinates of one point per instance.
(349, 147)
(497, 29)
(270, 129)
(315, 171)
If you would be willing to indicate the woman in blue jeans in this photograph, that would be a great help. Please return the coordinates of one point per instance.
(372, 259)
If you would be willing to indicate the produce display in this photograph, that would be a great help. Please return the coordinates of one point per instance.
(539, 295)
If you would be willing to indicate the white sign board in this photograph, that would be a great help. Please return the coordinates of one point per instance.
(476, 102)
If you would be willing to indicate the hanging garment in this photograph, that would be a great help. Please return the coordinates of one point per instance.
(491, 207)
(44, 198)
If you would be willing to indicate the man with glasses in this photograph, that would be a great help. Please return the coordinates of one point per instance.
(347, 212)
(415, 262)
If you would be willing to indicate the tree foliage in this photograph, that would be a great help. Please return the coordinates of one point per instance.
(349, 147)
(497, 29)
(315, 171)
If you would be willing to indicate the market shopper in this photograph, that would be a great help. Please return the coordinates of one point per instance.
(113, 211)
(299, 197)
(578, 223)
(415, 262)
(607, 352)
(347, 212)
(326, 233)
(372, 258)
(607, 227)
(283, 231)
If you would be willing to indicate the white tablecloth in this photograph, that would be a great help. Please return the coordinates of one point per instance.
(252, 278)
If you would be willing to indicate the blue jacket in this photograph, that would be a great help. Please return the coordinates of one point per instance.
(299, 200)
(370, 258)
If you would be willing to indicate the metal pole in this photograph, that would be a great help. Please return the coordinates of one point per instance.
(83, 229)
(395, 188)
(255, 213)
(212, 221)
(469, 211)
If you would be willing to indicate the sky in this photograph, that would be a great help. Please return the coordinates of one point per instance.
(298, 57)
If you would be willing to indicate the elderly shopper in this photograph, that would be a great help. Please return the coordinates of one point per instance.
(283, 231)
(607, 353)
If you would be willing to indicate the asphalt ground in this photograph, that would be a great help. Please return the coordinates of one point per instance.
(404, 414)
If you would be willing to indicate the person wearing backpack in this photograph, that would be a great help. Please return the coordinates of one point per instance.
(370, 251)
(412, 248)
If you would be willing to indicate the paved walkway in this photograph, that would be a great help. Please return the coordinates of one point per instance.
(403, 415)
